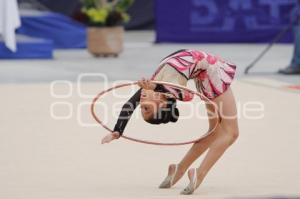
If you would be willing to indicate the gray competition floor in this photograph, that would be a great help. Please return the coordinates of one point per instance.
(50, 145)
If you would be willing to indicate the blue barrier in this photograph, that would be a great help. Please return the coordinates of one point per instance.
(222, 20)
(28, 48)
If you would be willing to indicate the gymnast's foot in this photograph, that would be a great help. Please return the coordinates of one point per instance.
(194, 182)
(175, 172)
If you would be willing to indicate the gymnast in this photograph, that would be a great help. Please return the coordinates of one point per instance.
(212, 76)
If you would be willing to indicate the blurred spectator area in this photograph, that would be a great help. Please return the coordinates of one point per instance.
(141, 12)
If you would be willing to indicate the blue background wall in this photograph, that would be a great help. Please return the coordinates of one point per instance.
(222, 20)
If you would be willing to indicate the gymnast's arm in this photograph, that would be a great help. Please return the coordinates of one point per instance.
(129, 107)
(126, 112)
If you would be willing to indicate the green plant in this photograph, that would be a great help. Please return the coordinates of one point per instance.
(106, 12)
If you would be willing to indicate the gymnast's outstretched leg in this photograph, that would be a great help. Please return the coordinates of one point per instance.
(225, 136)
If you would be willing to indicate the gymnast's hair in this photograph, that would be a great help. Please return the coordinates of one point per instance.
(167, 114)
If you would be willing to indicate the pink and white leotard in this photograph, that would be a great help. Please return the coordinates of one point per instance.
(211, 74)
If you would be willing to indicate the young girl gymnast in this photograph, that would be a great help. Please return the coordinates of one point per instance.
(212, 76)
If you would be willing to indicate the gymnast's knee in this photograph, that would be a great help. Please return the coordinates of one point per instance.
(234, 134)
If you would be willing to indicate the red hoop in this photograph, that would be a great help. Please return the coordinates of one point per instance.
(203, 97)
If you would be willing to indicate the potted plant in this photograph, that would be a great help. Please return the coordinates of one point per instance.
(105, 19)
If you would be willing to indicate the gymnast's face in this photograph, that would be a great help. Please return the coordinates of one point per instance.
(151, 102)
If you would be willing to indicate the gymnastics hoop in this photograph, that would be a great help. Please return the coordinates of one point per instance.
(203, 97)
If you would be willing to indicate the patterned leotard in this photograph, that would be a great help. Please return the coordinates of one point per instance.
(211, 74)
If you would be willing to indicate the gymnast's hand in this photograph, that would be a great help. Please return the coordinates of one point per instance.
(110, 137)
(146, 84)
